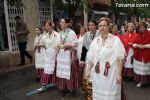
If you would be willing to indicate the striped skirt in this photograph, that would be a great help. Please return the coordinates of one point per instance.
(144, 79)
(128, 72)
(48, 79)
(38, 72)
(75, 77)
(142, 72)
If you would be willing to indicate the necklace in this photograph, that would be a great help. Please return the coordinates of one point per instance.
(39, 37)
(64, 35)
(92, 35)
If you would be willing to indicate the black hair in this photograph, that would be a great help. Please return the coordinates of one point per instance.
(67, 20)
(93, 21)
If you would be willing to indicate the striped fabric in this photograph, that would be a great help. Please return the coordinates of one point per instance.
(142, 72)
(144, 79)
(61, 83)
(47, 79)
(63, 64)
(49, 64)
(75, 77)
(38, 72)
(128, 72)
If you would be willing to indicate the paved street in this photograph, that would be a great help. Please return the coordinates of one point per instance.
(20, 89)
(133, 93)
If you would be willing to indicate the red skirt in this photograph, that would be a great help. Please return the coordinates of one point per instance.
(128, 72)
(38, 72)
(75, 77)
(144, 79)
(48, 79)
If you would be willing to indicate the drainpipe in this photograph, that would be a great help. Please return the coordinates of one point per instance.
(51, 1)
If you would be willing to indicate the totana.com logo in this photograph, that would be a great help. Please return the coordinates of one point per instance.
(131, 5)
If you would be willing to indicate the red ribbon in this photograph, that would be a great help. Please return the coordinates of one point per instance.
(65, 49)
(107, 66)
(97, 68)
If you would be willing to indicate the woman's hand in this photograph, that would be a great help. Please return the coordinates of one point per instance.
(119, 79)
(81, 64)
(139, 46)
(67, 45)
(134, 45)
(130, 43)
(87, 75)
(61, 46)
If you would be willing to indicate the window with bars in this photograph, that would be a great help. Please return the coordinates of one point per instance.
(11, 12)
(44, 10)
(3, 31)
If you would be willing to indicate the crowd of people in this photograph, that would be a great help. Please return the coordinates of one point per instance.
(96, 59)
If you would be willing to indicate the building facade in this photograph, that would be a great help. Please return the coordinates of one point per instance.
(34, 13)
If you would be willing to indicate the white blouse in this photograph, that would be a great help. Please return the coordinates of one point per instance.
(110, 52)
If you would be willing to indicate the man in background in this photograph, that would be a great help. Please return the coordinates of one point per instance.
(22, 34)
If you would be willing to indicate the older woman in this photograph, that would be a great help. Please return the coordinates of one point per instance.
(105, 63)
(129, 37)
(141, 56)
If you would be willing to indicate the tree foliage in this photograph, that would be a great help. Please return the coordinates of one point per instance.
(72, 6)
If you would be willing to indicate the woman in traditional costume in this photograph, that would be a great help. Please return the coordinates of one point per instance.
(39, 49)
(67, 69)
(141, 56)
(114, 31)
(88, 38)
(105, 63)
(80, 40)
(50, 40)
(129, 37)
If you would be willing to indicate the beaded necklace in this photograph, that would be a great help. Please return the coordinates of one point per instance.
(64, 35)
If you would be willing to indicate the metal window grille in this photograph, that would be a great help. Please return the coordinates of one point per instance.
(10, 13)
(44, 10)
